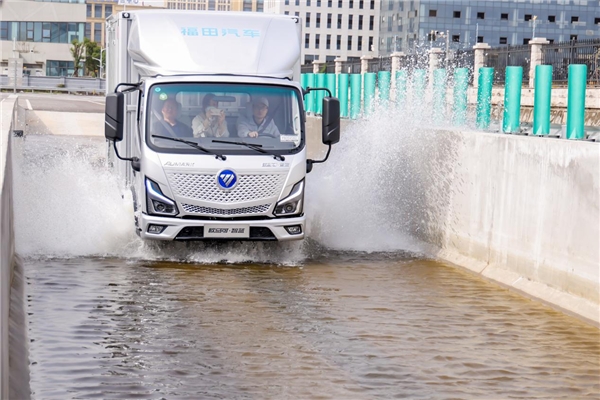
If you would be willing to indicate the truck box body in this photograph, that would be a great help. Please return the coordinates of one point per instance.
(231, 81)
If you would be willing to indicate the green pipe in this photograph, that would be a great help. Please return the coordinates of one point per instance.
(309, 99)
(576, 101)
(419, 83)
(439, 94)
(343, 94)
(384, 79)
(355, 88)
(511, 120)
(461, 85)
(542, 99)
(320, 94)
(401, 86)
(484, 97)
(369, 91)
(331, 85)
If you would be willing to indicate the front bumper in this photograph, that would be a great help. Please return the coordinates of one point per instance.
(190, 229)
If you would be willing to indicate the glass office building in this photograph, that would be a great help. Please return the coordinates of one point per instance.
(460, 24)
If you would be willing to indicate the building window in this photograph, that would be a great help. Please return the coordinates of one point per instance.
(551, 18)
(359, 43)
(339, 22)
(98, 32)
(504, 16)
(307, 20)
(480, 15)
(573, 38)
(317, 40)
(456, 14)
(297, 13)
(350, 21)
(456, 38)
(479, 39)
(318, 20)
(503, 40)
(596, 21)
(88, 30)
(247, 5)
(526, 40)
(360, 22)
(97, 10)
(297, 2)
(340, 3)
(308, 3)
(287, 2)
(306, 40)
(338, 43)
(318, 3)
(260, 6)
(370, 43)
(286, 13)
(49, 32)
(88, 11)
(527, 17)
(433, 13)
(372, 6)
(361, 4)
(349, 42)
(59, 68)
(574, 19)
(328, 21)
(371, 22)
(328, 42)
(108, 10)
(329, 3)
(351, 4)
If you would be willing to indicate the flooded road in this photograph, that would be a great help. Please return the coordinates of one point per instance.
(339, 325)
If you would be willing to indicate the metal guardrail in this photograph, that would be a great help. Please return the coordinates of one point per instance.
(561, 55)
(56, 83)
(509, 56)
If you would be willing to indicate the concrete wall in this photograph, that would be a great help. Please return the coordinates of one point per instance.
(7, 249)
(14, 368)
(522, 211)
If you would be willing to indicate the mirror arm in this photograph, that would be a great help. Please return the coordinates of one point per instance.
(309, 162)
(309, 89)
(135, 162)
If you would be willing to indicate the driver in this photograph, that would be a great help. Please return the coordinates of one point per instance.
(169, 125)
(258, 124)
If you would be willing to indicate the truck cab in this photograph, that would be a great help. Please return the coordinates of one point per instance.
(206, 124)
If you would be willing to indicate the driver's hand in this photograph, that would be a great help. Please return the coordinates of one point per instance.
(253, 134)
(221, 117)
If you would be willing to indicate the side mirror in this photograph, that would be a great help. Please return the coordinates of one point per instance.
(331, 120)
(114, 116)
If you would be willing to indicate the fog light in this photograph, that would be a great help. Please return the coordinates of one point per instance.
(294, 229)
(156, 229)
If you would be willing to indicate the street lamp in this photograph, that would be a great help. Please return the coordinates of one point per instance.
(534, 20)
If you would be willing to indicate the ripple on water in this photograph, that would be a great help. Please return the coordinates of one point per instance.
(355, 326)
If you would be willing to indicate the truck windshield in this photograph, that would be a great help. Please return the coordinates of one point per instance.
(266, 116)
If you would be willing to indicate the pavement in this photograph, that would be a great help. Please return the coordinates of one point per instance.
(61, 114)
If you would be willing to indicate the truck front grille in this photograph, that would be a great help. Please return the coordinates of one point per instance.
(204, 187)
(189, 208)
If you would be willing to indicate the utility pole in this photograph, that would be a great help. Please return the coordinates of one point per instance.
(534, 21)
(447, 48)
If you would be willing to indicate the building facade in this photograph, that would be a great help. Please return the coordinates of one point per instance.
(408, 25)
(216, 5)
(39, 34)
(345, 29)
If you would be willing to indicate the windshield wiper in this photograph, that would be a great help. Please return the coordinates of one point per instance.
(253, 146)
(194, 145)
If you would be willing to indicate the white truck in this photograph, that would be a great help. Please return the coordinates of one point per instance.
(206, 123)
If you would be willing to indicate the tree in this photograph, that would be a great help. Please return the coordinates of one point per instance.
(77, 51)
(92, 55)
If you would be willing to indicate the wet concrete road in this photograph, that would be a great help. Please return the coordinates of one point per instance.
(337, 325)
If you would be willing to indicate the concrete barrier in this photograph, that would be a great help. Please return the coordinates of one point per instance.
(522, 211)
(14, 370)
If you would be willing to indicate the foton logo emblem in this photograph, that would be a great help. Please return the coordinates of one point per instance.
(226, 179)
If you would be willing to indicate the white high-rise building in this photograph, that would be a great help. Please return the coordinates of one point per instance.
(345, 29)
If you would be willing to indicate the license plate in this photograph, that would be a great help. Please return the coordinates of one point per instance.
(227, 231)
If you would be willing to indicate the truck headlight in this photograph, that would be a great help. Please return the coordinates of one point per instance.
(156, 202)
(292, 204)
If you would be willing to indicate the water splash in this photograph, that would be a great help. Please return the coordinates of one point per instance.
(374, 194)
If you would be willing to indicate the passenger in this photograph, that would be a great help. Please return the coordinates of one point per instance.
(169, 125)
(258, 124)
(211, 121)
